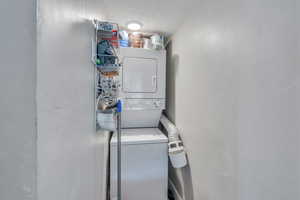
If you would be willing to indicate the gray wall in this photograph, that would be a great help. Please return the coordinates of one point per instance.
(17, 100)
(233, 90)
(69, 150)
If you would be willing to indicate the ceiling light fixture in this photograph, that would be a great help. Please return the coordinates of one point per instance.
(134, 25)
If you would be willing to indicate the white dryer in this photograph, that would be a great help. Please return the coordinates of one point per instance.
(143, 90)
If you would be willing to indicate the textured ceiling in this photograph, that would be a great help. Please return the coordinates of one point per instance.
(155, 15)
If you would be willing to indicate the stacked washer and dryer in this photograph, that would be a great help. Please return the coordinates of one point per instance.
(144, 163)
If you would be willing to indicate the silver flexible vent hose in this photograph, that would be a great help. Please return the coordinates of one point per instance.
(176, 150)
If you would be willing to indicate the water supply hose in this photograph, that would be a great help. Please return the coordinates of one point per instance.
(119, 150)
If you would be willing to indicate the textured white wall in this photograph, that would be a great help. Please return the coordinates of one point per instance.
(233, 90)
(17, 100)
(70, 153)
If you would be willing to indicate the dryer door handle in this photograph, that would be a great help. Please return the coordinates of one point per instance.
(154, 79)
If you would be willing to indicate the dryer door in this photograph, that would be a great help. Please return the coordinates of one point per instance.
(143, 73)
(139, 75)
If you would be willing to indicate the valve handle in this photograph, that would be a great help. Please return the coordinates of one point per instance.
(119, 106)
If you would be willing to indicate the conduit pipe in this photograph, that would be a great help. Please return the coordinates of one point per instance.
(176, 150)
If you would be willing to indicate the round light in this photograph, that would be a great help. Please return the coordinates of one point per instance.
(134, 26)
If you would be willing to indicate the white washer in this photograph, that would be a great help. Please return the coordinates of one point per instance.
(144, 165)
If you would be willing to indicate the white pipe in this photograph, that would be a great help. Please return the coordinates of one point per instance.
(176, 150)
